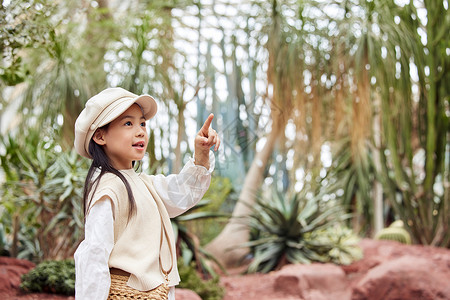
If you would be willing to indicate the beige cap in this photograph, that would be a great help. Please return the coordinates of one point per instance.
(104, 108)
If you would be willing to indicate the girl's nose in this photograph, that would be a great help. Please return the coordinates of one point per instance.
(140, 132)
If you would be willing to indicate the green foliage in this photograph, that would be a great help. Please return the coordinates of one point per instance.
(16, 36)
(41, 197)
(354, 175)
(67, 50)
(190, 279)
(218, 194)
(3, 244)
(336, 244)
(188, 243)
(57, 277)
(298, 230)
(415, 164)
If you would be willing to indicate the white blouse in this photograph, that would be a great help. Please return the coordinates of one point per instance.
(179, 192)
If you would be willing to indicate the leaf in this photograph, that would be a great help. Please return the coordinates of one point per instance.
(202, 215)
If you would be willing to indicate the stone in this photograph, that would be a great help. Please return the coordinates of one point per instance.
(313, 282)
(406, 277)
(11, 269)
(185, 294)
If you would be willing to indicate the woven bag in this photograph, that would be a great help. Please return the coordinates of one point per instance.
(120, 290)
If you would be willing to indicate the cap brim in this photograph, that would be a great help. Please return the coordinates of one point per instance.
(146, 102)
(148, 105)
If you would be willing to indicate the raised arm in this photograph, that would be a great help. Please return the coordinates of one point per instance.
(182, 191)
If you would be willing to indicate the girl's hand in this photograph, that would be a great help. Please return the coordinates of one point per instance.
(205, 139)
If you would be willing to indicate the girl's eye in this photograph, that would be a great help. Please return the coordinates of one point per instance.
(143, 124)
(128, 123)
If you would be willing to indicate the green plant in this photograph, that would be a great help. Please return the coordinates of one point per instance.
(17, 37)
(56, 277)
(395, 232)
(3, 248)
(353, 173)
(298, 230)
(188, 243)
(190, 279)
(41, 197)
(218, 195)
(337, 244)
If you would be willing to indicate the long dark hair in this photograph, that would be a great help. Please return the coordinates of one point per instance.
(102, 163)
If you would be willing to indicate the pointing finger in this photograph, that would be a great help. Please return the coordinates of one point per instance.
(207, 123)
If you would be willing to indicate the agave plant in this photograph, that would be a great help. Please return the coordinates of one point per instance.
(298, 230)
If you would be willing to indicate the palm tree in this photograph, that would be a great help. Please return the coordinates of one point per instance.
(225, 247)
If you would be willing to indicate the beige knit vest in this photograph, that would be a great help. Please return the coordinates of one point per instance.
(137, 241)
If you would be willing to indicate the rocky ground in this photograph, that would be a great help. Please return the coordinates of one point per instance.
(388, 271)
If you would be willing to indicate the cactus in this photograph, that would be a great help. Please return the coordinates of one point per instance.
(395, 232)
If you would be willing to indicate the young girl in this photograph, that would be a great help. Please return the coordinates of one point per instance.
(129, 247)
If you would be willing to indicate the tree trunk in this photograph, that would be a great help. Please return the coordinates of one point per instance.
(378, 223)
(226, 247)
(316, 131)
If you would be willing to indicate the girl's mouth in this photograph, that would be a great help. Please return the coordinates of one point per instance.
(139, 145)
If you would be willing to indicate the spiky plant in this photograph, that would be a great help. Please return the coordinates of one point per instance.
(298, 230)
(395, 232)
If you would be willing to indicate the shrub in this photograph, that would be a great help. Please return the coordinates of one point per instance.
(57, 277)
(40, 198)
(206, 289)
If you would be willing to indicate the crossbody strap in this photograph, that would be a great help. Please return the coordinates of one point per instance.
(164, 230)
(165, 233)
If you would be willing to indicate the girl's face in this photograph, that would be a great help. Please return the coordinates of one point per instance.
(125, 139)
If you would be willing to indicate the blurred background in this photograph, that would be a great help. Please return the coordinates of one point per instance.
(334, 119)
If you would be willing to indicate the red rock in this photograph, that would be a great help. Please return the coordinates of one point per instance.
(313, 282)
(11, 269)
(184, 294)
(407, 277)
(4, 260)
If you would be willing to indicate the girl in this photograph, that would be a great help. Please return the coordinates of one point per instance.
(129, 247)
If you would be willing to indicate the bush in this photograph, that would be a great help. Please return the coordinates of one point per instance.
(57, 277)
(206, 289)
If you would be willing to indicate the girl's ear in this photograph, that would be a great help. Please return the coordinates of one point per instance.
(99, 137)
